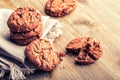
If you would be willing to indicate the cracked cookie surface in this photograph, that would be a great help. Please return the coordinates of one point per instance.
(24, 19)
(43, 55)
(59, 8)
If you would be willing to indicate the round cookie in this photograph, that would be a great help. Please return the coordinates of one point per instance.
(88, 48)
(43, 55)
(25, 35)
(59, 8)
(24, 19)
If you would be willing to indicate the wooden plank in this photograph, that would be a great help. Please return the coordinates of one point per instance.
(97, 18)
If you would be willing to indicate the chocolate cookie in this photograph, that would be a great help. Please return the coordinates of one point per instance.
(59, 8)
(43, 55)
(25, 35)
(89, 49)
(24, 19)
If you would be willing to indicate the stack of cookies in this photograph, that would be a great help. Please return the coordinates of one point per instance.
(25, 25)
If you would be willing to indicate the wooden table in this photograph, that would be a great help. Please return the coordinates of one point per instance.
(96, 18)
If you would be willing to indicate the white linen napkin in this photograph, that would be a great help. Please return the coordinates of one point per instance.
(52, 29)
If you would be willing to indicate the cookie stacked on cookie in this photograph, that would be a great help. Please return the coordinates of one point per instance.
(25, 25)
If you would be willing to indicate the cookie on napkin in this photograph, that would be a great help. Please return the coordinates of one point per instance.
(43, 54)
(15, 51)
(25, 25)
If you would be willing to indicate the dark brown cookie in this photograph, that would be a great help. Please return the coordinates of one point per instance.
(89, 49)
(43, 55)
(59, 8)
(25, 35)
(24, 19)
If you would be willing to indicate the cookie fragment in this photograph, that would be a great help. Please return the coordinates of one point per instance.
(59, 8)
(84, 58)
(43, 55)
(87, 48)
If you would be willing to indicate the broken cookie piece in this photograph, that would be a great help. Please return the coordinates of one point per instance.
(84, 58)
(87, 48)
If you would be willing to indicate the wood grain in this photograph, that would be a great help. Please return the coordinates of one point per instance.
(97, 18)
